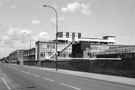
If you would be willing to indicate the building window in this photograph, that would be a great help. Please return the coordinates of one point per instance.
(47, 45)
(60, 34)
(42, 54)
(64, 55)
(53, 46)
(67, 34)
(79, 35)
(73, 35)
(49, 53)
(58, 53)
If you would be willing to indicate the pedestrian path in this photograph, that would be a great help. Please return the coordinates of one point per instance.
(109, 78)
(103, 77)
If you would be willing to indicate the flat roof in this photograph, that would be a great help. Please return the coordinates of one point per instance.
(53, 41)
(108, 36)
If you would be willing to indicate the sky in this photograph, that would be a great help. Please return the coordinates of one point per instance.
(20, 19)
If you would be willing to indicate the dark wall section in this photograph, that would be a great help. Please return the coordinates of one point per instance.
(76, 51)
(124, 68)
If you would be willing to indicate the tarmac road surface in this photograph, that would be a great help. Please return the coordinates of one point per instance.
(25, 78)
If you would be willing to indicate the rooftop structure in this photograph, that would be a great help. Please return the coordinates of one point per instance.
(76, 36)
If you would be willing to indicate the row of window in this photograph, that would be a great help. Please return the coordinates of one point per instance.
(48, 45)
(61, 34)
(131, 56)
(49, 54)
(52, 46)
(64, 54)
(102, 47)
(97, 47)
(44, 54)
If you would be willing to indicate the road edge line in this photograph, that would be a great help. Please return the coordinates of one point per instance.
(70, 86)
(6, 84)
(48, 79)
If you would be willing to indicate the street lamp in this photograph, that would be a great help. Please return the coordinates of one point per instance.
(56, 31)
(30, 43)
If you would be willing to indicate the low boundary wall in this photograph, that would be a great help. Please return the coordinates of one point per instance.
(124, 68)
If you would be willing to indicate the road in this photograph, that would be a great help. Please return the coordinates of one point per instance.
(27, 78)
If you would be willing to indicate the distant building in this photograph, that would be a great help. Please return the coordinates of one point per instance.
(16, 56)
(4, 59)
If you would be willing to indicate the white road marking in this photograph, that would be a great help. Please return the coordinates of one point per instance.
(70, 86)
(27, 73)
(48, 79)
(35, 75)
(22, 71)
(6, 84)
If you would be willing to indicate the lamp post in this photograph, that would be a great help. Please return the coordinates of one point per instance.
(56, 31)
(30, 44)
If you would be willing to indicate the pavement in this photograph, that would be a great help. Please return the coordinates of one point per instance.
(109, 78)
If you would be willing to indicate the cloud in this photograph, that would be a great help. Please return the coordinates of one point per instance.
(55, 6)
(1, 3)
(15, 38)
(71, 7)
(85, 9)
(42, 36)
(13, 6)
(25, 31)
(5, 51)
(53, 19)
(35, 22)
(76, 6)
(13, 32)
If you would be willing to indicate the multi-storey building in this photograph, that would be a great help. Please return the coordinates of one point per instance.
(89, 47)
(47, 50)
(68, 46)
(29, 55)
